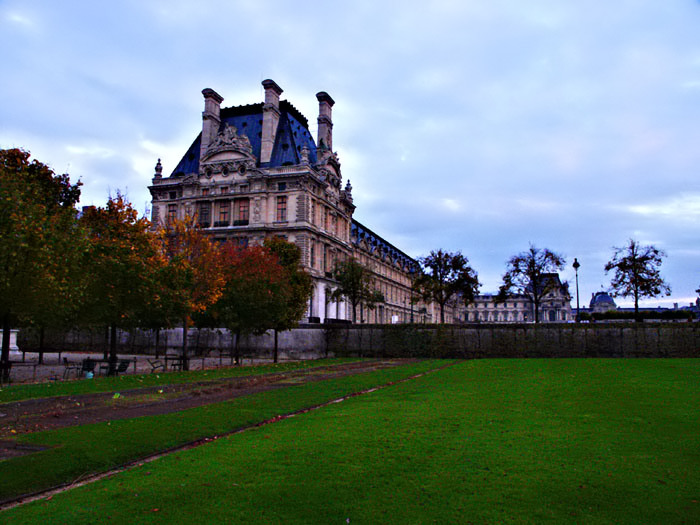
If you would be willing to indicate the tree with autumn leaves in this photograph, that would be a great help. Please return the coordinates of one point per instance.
(39, 244)
(190, 280)
(121, 268)
(265, 289)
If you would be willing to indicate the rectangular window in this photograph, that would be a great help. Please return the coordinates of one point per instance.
(224, 209)
(172, 212)
(244, 188)
(281, 186)
(224, 190)
(204, 214)
(241, 209)
(281, 209)
(313, 254)
(205, 191)
(173, 195)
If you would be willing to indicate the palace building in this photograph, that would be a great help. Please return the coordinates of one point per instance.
(555, 306)
(255, 171)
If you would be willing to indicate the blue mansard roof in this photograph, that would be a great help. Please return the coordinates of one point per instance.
(292, 135)
(377, 245)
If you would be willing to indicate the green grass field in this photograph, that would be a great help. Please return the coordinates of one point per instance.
(80, 450)
(488, 441)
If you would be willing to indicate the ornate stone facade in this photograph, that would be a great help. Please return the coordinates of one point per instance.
(555, 307)
(256, 171)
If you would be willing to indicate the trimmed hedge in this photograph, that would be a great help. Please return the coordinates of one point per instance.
(516, 340)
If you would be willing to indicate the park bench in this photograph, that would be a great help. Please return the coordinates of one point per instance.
(44, 352)
(156, 364)
(32, 364)
(175, 362)
(122, 367)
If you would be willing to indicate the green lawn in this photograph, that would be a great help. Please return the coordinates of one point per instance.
(128, 381)
(486, 441)
(86, 449)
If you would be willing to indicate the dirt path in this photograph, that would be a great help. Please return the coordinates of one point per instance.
(35, 415)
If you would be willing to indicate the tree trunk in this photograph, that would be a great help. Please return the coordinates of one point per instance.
(105, 348)
(41, 345)
(5, 354)
(274, 355)
(157, 341)
(185, 363)
(442, 313)
(113, 350)
(238, 338)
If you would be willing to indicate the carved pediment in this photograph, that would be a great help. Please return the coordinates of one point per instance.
(230, 142)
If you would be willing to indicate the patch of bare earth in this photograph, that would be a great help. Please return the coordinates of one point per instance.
(35, 415)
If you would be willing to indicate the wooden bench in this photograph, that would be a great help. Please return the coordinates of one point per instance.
(156, 364)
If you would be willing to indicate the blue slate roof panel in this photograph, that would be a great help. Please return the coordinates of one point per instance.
(292, 135)
(190, 161)
(376, 244)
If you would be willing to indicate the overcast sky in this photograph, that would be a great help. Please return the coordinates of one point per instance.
(463, 125)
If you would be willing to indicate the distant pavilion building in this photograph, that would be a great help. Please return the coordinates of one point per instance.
(554, 308)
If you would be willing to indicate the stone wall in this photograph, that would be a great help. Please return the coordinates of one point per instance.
(451, 341)
(301, 343)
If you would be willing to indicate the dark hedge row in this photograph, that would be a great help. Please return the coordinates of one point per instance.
(482, 341)
(613, 315)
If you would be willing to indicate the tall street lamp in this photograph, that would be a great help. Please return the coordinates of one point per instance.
(576, 266)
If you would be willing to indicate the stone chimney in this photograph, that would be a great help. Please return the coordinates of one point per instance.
(211, 118)
(271, 118)
(325, 121)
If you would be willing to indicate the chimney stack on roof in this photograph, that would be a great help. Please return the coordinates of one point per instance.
(271, 118)
(211, 118)
(325, 120)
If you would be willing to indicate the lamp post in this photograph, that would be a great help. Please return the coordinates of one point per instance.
(576, 266)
